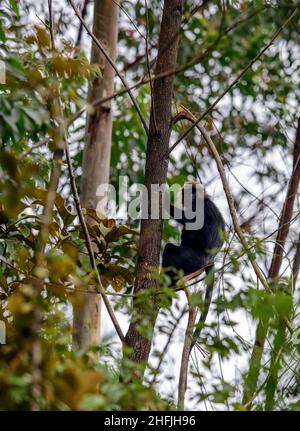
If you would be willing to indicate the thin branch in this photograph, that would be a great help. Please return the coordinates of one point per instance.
(39, 259)
(186, 351)
(192, 336)
(296, 264)
(83, 14)
(130, 19)
(119, 93)
(90, 247)
(39, 144)
(165, 74)
(51, 29)
(168, 342)
(149, 67)
(76, 195)
(235, 81)
(154, 45)
(113, 65)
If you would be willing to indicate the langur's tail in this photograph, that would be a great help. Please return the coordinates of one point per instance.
(207, 301)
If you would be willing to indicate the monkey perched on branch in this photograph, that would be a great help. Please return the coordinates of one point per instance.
(199, 243)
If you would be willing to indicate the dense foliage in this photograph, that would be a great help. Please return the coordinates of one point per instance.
(253, 128)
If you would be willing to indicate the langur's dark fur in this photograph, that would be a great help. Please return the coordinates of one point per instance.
(197, 248)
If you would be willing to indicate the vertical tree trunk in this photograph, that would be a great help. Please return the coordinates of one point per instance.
(251, 378)
(96, 158)
(156, 169)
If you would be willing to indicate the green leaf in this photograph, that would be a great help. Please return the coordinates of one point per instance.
(14, 6)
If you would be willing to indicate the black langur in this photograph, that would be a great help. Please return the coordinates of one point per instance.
(198, 247)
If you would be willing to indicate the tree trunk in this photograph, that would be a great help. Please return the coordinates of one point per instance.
(96, 158)
(155, 171)
(251, 378)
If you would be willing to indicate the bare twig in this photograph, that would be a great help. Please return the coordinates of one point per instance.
(51, 29)
(149, 67)
(83, 14)
(39, 144)
(186, 351)
(296, 264)
(166, 346)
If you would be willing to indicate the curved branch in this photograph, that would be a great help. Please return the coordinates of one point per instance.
(186, 351)
(191, 337)
(186, 114)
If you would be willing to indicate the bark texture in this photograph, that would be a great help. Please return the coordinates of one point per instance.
(96, 158)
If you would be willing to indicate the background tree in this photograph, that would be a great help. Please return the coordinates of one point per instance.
(96, 157)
